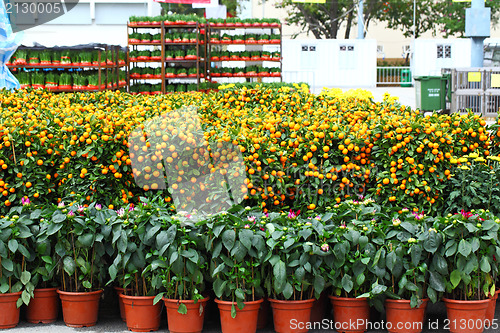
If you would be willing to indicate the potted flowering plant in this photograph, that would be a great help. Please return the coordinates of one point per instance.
(354, 265)
(471, 240)
(294, 280)
(135, 266)
(181, 247)
(81, 234)
(238, 250)
(409, 246)
(16, 285)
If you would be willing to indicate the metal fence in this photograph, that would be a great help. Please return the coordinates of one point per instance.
(394, 76)
(476, 90)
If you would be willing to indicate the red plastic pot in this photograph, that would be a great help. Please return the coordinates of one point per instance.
(43, 307)
(466, 316)
(141, 314)
(245, 320)
(402, 318)
(490, 311)
(291, 316)
(119, 291)
(191, 322)
(349, 312)
(9, 310)
(80, 309)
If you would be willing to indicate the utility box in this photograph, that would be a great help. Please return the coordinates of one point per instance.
(477, 22)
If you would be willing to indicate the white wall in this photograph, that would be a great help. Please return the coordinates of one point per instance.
(334, 63)
(426, 61)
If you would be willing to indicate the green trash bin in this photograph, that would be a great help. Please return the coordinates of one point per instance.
(429, 93)
(406, 78)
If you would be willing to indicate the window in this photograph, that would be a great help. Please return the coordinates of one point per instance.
(443, 51)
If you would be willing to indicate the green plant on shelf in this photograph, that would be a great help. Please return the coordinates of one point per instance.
(66, 57)
(86, 58)
(34, 57)
(169, 55)
(192, 87)
(179, 55)
(176, 37)
(50, 80)
(181, 72)
(168, 37)
(65, 80)
(45, 58)
(180, 88)
(170, 88)
(23, 77)
(156, 38)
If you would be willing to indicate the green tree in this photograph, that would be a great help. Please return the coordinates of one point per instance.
(324, 20)
(178, 8)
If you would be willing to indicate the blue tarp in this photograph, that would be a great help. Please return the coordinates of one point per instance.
(8, 45)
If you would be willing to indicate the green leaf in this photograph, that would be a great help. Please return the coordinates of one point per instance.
(239, 293)
(113, 271)
(484, 265)
(182, 309)
(347, 283)
(464, 248)
(246, 238)
(25, 297)
(289, 242)
(431, 293)
(86, 240)
(13, 245)
(87, 284)
(288, 291)
(319, 283)
(436, 281)
(228, 239)
(69, 265)
(25, 277)
(455, 278)
(279, 272)
(8, 264)
(233, 311)
(158, 298)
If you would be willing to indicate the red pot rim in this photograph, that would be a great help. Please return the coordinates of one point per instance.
(457, 301)
(388, 300)
(354, 299)
(75, 293)
(185, 301)
(279, 301)
(137, 297)
(230, 303)
(9, 295)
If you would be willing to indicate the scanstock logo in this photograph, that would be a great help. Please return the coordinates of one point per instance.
(173, 152)
(25, 14)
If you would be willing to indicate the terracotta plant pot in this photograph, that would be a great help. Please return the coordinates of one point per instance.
(490, 311)
(291, 316)
(80, 309)
(466, 316)
(9, 310)
(191, 322)
(245, 320)
(402, 318)
(263, 318)
(351, 315)
(43, 307)
(119, 291)
(142, 315)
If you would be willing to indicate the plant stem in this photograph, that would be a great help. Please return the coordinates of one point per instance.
(74, 253)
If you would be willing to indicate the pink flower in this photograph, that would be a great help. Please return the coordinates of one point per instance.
(247, 226)
(465, 214)
(251, 218)
(292, 214)
(25, 201)
(98, 206)
(325, 247)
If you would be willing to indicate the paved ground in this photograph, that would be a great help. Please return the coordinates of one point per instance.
(109, 321)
